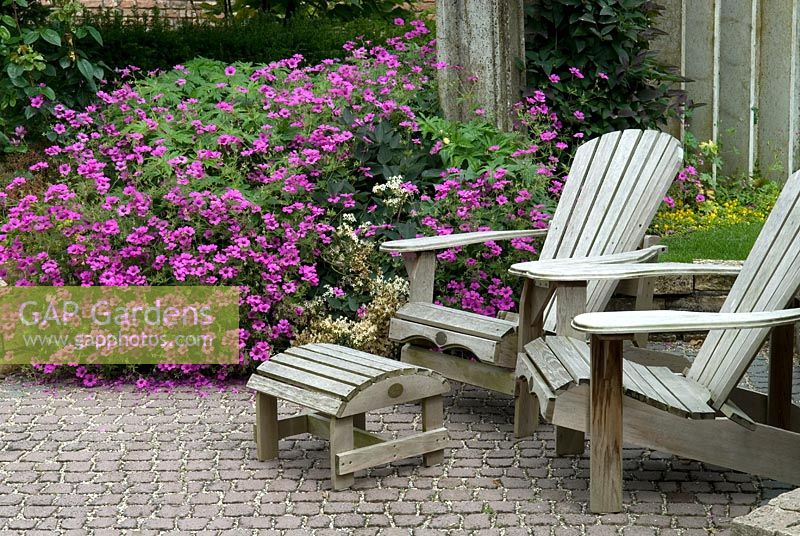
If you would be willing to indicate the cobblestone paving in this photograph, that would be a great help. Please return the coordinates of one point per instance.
(97, 462)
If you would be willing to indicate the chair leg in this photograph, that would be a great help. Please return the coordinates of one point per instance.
(644, 302)
(341, 440)
(569, 442)
(526, 410)
(779, 401)
(360, 421)
(432, 418)
(605, 466)
(266, 427)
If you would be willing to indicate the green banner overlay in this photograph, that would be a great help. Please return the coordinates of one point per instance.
(119, 325)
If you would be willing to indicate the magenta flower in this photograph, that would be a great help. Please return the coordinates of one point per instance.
(37, 101)
(257, 183)
(576, 72)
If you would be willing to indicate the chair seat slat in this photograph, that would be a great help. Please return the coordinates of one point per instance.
(548, 365)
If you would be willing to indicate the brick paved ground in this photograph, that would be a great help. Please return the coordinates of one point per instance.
(99, 462)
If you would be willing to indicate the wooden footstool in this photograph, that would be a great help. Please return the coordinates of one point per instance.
(340, 385)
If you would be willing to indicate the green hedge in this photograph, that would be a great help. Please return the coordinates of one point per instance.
(153, 42)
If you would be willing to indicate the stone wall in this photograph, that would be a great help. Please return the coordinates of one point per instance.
(701, 293)
(180, 9)
(171, 9)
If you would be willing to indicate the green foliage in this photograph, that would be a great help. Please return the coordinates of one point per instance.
(726, 242)
(152, 42)
(620, 84)
(481, 147)
(701, 199)
(43, 59)
(343, 10)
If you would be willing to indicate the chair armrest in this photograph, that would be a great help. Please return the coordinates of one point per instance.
(624, 322)
(590, 269)
(432, 243)
(555, 265)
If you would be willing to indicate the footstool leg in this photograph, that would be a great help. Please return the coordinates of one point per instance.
(341, 439)
(266, 427)
(433, 418)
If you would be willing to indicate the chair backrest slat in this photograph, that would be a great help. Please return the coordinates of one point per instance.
(769, 279)
(613, 191)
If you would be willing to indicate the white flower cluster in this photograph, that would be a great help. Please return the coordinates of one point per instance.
(395, 196)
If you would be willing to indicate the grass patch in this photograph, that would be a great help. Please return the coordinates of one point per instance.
(729, 242)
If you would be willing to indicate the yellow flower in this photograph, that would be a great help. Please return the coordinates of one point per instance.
(445, 140)
(709, 147)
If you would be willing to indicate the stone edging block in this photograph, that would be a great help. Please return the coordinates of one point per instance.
(781, 517)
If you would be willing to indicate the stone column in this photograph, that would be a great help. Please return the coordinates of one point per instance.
(778, 106)
(669, 48)
(480, 40)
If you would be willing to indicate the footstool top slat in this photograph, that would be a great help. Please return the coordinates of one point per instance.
(325, 359)
(357, 356)
(321, 376)
(309, 399)
(276, 370)
(317, 368)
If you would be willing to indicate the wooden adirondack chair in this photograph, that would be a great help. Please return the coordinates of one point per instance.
(700, 414)
(615, 186)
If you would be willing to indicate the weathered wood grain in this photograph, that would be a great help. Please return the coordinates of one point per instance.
(526, 410)
(645, 290)
(421, 268)
(532, 306)
(303, 379)
(605, 469)
(536, 385)
(625, 258)
(571, 302)
(769, 278)
(456, 320)
(462, 370)
(433, 243)
(341, 440)
(404, 331)
(316, 368)
(309, 399)
(433, 419)
(539, 354)
(589, 271)
(719, 441)
(610, 323)
(349, 461)
(267, 434)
